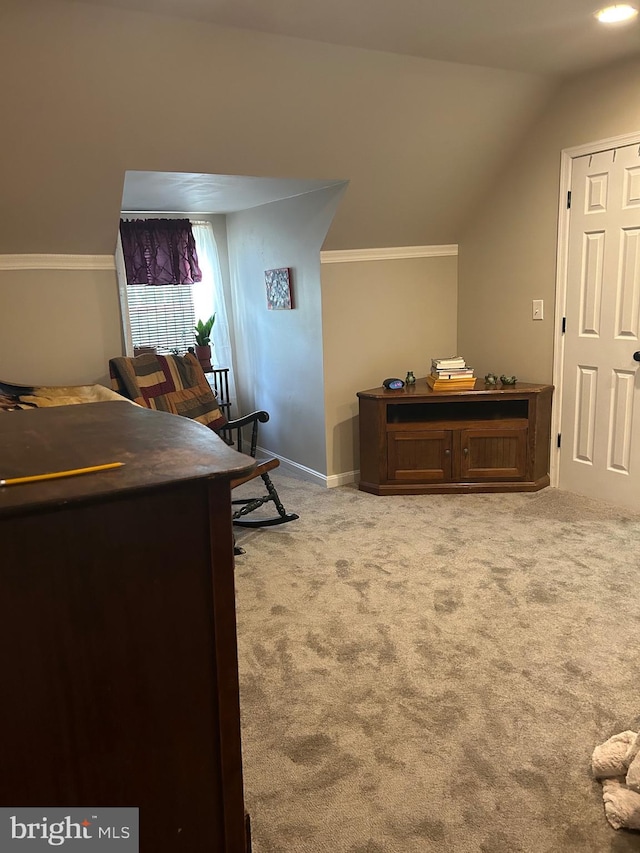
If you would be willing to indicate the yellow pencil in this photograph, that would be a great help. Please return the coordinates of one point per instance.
(14, 481)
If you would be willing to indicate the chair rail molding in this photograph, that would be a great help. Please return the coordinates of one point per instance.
(393, 253)
(57, 262)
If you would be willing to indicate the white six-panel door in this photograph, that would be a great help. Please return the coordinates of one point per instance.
(600, 413)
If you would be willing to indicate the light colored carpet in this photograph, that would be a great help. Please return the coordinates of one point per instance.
(432, 673)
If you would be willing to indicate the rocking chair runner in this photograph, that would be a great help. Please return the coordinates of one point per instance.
(177, 384)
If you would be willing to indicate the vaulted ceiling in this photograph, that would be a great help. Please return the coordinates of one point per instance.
(542, 37)
(537, 36)
(96, 90)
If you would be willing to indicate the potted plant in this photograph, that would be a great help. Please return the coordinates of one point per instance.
(203, 342)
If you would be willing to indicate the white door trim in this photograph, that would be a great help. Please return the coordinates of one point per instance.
(566, 166)
(121, 275)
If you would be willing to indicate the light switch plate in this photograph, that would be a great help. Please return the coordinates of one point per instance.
(537, 311)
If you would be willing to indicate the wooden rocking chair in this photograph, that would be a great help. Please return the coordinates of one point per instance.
(234, 433)
(177, 384)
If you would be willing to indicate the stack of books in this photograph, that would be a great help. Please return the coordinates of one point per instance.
(451, 374)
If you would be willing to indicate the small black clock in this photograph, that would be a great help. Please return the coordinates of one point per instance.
(393, 384)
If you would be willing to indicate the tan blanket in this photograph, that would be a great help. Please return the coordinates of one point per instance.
(65, 395)
(40, 396)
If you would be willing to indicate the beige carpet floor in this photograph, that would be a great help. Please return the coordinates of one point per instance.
(432, 673)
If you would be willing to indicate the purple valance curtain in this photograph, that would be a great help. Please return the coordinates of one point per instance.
(159, 251)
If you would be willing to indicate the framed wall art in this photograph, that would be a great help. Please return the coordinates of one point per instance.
(278, 284)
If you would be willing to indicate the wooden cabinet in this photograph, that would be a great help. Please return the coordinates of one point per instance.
(117, 623)
(415, 440)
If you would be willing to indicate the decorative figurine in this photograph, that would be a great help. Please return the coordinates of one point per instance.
(508, 380)
(410, 378)
(490, 379)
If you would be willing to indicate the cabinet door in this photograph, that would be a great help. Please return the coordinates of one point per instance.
(493, 454)
(419, 455)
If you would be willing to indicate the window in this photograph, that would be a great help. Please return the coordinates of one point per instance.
(162, 316)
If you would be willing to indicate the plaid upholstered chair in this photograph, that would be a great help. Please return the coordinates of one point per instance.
(177, 384)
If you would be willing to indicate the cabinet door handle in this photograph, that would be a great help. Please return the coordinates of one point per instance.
(447, 453)
(465, 450)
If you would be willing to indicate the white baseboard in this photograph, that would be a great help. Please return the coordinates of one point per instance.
(308, 474)
(344, 479)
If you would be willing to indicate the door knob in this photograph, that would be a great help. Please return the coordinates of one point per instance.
(636, 356)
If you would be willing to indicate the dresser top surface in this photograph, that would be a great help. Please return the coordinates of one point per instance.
(156, 448)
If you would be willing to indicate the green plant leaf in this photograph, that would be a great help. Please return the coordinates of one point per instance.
(203, 331)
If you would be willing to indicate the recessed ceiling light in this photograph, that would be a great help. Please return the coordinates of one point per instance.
(616, 14)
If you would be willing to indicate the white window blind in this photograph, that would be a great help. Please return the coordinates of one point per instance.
(162, 316)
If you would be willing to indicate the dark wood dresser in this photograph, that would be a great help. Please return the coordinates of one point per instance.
(118, 653)
(415, 441)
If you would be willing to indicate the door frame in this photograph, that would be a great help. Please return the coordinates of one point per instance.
(568, 155)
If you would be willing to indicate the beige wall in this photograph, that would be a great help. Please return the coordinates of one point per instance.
(380, 319)
(508, 251)
(58, 327)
